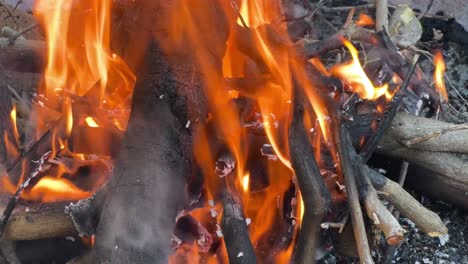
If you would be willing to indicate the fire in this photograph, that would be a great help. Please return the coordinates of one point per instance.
(51, 189)
(83, 80)
(365, 21)
(91, 122)
(439, 75)
(353, 74)
(245, 182)
(13, 124)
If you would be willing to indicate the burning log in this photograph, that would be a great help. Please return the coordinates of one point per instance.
(37, 223)
(235, 232)
(315, 194)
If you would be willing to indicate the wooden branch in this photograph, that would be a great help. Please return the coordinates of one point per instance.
(47, 221)
(427, 134)
(22, 55)
(381, 15)
(375, 210)
(313, 189)
(349, 172)
(428, 221)
(235, 232)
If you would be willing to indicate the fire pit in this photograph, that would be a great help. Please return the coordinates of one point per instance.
(222, 131)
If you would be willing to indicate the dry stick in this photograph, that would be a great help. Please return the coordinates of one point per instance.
(313, 190)
(381, 15)
(13, 38)
(426, 220)
(357, 219)
(235, 232)
(423, 14)
(389, 115)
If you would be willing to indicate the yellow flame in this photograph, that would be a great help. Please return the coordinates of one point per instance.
(245, 182)
(439, 75)
(354, 75)
(91, 122)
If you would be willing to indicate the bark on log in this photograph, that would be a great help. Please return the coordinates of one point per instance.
(427, 134)
(45, 222)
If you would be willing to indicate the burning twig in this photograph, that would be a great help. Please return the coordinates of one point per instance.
(389, 115)
(39, 167)
(235, 232)
(314, 191)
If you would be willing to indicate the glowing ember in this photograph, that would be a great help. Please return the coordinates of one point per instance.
(439, 75)
(91, 122)
(353, 74)
(365, 21)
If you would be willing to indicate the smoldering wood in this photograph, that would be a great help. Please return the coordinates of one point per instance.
(373, 141)
(22, 55)
(428, 221)
(314, 192)
(236, 232)
(47, 221)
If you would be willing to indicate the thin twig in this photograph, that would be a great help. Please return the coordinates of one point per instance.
(389, 115)
(19, 2)
(236, 8)
(381, 15)
(12, 39)
(423, 14)
(41, 166)
(10, 13)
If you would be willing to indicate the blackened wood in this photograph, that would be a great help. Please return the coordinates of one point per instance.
(236, 232)
(313, 189)
(389, 115)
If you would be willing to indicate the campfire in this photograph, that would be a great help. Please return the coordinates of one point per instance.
(220, 131)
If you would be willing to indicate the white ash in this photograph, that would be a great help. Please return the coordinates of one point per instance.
(175, 241)
(70, 238)
(187, 125)
(248, 221)
(444, 239)
(426, 261)
(211, 203)
(241, 254)
(219, 233)
(225, 165)
(382, 171)
(161, 96)
(213, 212)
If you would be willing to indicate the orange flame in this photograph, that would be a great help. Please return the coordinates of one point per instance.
(365, 21)
(354, 75)
(51, 189)
(439, 75)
